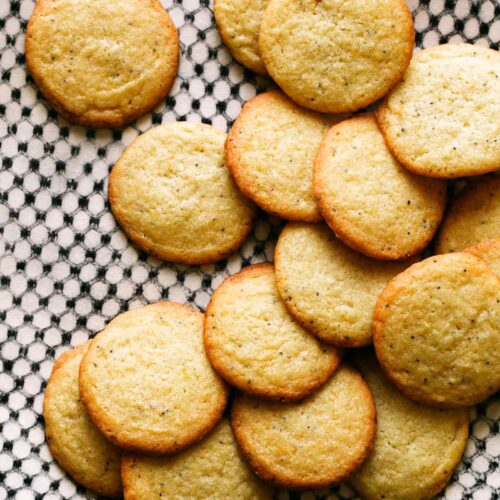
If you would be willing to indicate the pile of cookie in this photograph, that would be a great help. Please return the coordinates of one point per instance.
(140, 408)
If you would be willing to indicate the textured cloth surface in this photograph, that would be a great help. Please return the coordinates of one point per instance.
(66, 269)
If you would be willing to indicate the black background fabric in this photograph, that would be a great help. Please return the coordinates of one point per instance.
(66, 269)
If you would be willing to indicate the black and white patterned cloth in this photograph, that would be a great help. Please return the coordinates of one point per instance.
(66, 269)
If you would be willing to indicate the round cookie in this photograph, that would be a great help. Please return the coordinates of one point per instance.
(489, 251)
(328, 288)
(239, 23)
(255, 344)
(334, 56)
(147, 383)
(416, 447)
(435, 331)
(270, 151)
(473, 216)
(442, 119)
(311, 444)
(74, 441)
(174, 197)
(102, 63)
(211, 469)
(369, 200)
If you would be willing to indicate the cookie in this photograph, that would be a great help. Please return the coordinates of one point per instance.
(334, 56)
(74, 441)
(174, 197)
(416, 448)
(311, 444)
(369, 200)
(255, 344)
(102, 63)
(270, 151)
(435, 331)
(211, 469)
(239, 23)
(442, 119)
(489, 251)
(473, 216)
(147, 383)
(328, 288)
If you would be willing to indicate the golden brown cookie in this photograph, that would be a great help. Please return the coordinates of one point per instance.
(489, 251)
(473, 216)
(442, 119)
(74, 441)
(435, 331)
(257, 346)
(270, 151)
(174, 197)
(328, 288)
(239, 23)
(416, 447)
(311, 444)
(102, 63)
(334, 56)
(211, 469)
(369, 200)
(147, 383)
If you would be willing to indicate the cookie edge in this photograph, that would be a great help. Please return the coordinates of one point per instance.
(287, 481)
(64, 358)
(94, 120)
(151, 446)
(340, 229)
(150, 247)
(336, 358)
(233, 158)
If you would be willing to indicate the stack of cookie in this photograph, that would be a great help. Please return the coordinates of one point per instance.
(140, 408)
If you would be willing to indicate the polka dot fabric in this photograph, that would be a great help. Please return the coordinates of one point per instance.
(66, 269)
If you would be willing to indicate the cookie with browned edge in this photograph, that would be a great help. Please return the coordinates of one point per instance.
(256, 345)
(213, 468)
(239, 24)
(147, 383)
(441, 120)
(270, 150)
(102, 63)
(435, 331)
(335, 56)
(328, 288)
(74, 441)
(369, 200)
(473, 216)
(312, 444)
(173, 195)
(416, 448)
(489, 251)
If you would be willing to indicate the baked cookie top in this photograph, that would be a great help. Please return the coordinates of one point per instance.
(328, 288)
(74, 441)
(311, 444)
(257, 346)
(435, 331)
(174, 197)
(472, 217)
(369, 200)
(102, 63)
(416, 447)
(335, 56)
(213, 468)
(239, 24)
(442, 119)
(489, 251)
(270, 150)
(147, 383)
